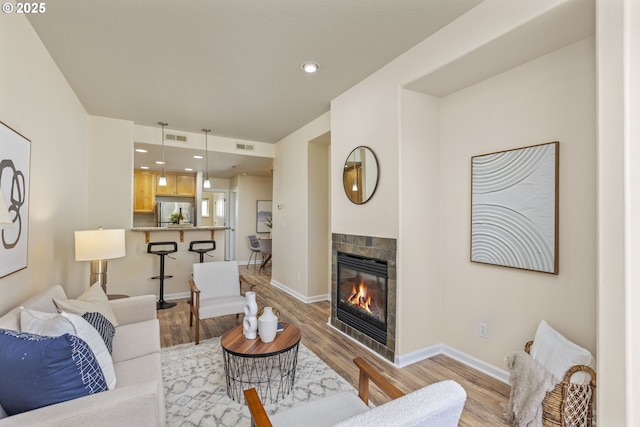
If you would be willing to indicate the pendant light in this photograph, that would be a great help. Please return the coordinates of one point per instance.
(207, 182)
(355, 180)
(162, 182)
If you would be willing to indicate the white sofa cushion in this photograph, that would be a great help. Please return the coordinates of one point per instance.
(136, 340)
(557, 354)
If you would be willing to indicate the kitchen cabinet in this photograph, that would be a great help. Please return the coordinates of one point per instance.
(144, 183)
(178, 185)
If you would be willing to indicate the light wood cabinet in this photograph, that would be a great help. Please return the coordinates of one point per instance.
(169, 189)
(144, 183)
(177, 185)
(185, 185)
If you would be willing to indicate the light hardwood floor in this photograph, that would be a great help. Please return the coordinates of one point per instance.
(484, 394)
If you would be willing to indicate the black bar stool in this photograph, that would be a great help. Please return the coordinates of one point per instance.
(209, 245)
(162, 249)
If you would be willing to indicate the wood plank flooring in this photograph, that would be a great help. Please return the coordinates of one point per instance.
(484, 394)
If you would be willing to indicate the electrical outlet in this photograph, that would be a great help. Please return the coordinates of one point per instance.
(483, 330)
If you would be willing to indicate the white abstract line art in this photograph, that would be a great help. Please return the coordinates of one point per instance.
(514, 208)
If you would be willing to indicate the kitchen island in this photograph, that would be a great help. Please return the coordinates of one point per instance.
(181, 228)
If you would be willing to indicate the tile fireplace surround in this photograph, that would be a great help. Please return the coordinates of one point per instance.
(372, 247)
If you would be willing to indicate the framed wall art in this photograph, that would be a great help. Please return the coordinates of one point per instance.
(15, 159)
(264, 217)
(514, 208)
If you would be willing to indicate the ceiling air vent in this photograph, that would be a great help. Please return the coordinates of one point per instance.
(245, 147)
(175, 137)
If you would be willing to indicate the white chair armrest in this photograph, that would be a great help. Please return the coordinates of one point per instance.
(436, 405)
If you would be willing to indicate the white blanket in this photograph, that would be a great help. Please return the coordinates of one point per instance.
(530, 383)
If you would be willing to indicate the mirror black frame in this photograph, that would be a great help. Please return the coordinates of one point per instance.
(348, 168)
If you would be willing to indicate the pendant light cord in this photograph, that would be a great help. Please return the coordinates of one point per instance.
(163, 124)
(206, 154)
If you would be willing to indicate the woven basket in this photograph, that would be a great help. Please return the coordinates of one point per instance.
(569, 405)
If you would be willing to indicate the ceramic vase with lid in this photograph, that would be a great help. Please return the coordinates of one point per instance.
(267, 325)
(250, 322)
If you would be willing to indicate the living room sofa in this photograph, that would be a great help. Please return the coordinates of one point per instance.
(138, 397)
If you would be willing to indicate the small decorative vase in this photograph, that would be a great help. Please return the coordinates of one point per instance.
(250, 304)
(250, 327)
(267, 325)
(250, 322)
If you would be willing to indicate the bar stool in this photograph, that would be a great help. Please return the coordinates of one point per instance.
(162, 251)
(210, 245)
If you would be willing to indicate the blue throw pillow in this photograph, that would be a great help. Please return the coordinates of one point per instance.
(37, 371)
(105, 328)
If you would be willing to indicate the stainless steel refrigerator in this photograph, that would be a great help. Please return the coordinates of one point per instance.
(164, 210)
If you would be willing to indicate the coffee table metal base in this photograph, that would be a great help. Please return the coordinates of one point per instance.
(272, 376)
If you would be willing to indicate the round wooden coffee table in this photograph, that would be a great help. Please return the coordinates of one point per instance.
(270, 367)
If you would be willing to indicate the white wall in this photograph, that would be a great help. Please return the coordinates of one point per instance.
(319, 230)
(250, 190)
(618, 44)
(37, 102)
(419, 298)
(290, 228)
(555, 101)
(549, 99)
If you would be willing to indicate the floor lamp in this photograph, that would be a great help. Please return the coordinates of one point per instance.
(98, 246)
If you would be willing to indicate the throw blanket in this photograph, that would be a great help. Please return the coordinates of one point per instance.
(530, 383)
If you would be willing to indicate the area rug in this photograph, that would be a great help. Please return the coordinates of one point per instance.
(196, 394)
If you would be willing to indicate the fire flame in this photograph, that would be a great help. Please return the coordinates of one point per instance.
(359, 297)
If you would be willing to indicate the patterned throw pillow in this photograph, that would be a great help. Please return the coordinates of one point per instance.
(37, 371)
(103, 326)
(54, 325)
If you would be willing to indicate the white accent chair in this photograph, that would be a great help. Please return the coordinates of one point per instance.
(436, 405)
(215, 291)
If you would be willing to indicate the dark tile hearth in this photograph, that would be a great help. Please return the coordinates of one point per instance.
(371, 247)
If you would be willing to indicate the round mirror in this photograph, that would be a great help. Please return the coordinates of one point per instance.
(360, 176)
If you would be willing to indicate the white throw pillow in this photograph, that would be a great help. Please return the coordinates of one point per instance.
(93, 299)
(557, 354)
(53, 325)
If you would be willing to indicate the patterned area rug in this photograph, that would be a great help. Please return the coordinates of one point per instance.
(196, 394)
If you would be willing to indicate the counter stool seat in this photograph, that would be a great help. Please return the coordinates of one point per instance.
(205, 247)
(162, 249)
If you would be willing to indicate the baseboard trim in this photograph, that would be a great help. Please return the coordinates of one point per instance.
(178, 295)
(417, 356)
(477, 364)
(299, 296)
(462, 357)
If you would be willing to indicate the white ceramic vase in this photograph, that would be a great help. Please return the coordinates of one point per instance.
(267, 325)
(250, 322)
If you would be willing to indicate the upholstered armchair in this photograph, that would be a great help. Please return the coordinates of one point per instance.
(436, 405)
(215, 291)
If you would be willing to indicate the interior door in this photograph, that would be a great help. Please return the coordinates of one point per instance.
(231, 232)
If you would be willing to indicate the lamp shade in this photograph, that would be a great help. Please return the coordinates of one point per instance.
(5, 218)
(99, 244)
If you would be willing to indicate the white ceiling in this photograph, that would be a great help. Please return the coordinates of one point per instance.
(229, 65)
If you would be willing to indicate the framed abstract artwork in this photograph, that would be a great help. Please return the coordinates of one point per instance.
(15, 159)
(263, 216)
(514, 208)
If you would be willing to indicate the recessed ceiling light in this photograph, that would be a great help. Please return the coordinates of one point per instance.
(310, 67)
(188, 169)
(144, 167)
(159, 162)
(198, 157)
(140, 150)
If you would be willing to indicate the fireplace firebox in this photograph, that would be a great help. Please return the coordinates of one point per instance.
(362, 294)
